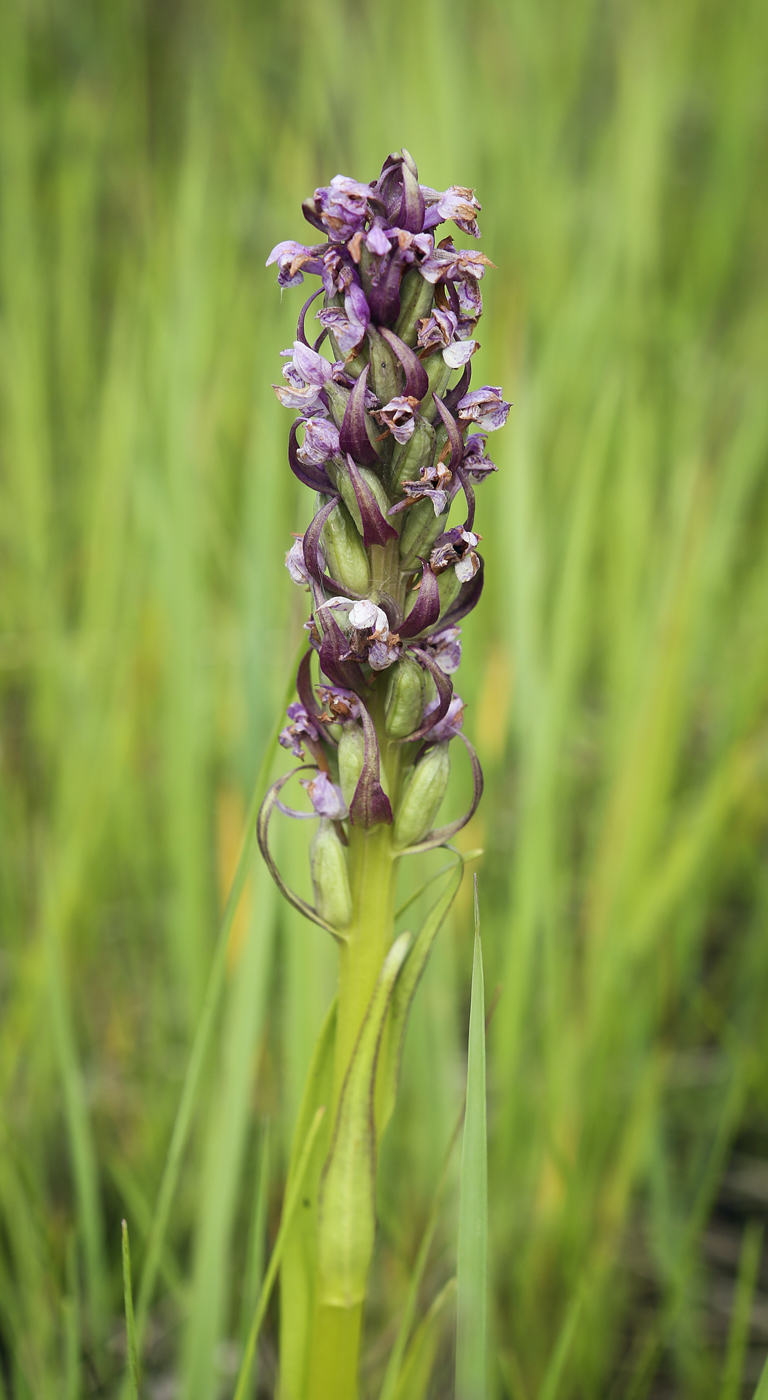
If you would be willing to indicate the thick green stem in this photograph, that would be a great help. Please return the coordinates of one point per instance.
(335, 1338)
(334, 1354)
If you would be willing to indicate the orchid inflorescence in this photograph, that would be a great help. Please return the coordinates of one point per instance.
(389, 448)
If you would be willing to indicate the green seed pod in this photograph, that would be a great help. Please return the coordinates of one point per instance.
(384, 378)
(439, 373)
(405, 698)
(343, 483)
(449, 587)
(416, 298)
(337, 397)
(351, 756)
(410, 457)
(329, 876)
(420, 531)
(422, 797)
(345, 553)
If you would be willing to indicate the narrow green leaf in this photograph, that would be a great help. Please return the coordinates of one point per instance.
(298, 1274)
(554, 1372)
(420, 1360)
(395, 1363)
(347, 1222)
(402, 998)
(130, 1326)
(216, 978)
(464, 856)
(291, 1201)
(255, 1258)
(762, 1385)
(749, 1264)
(473, 1203)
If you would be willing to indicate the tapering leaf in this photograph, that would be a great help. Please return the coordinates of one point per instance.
(347, 1197)
(420, 1357)
(130, 1326)
(292, 1196)
(472, 1266)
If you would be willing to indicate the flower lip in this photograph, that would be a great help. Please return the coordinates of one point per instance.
(326, 797)
(486, 407)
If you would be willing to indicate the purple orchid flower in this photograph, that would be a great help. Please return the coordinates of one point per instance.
(301, 728)
(486, 407)
(340, 703)
(397, 415)
(451, 722)
(449, 264)
(348, 324)
(293, 260)
(305, 376)
(294, 562)
(326, 797)
(456, 203)
(342, 207)
(445, 647)
(475, 462)
(456, 547)
(321, 442)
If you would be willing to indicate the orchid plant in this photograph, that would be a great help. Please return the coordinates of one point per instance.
(389, 448)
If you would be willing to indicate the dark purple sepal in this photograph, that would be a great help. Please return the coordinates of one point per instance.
(262, 835)
(444, 688)
(454, 434)
(384, 296)
(376, 527)
(469, 492)
(309, 210)
(451, 399)
(442, 834)
(426, 609)
(412, 207)
(312, 539)
(304, 688)
(370, 804)
(300, 331)
(313, 477)
(334, 655)
(468, 598)
(416, 377)
(353, 434)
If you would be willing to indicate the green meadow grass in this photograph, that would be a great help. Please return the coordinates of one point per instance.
(615, 677)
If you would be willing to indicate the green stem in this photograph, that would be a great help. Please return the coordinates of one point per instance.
(335, 1335)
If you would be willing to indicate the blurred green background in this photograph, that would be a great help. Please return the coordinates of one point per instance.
(151, 153)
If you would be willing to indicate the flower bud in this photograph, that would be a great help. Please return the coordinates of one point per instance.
(329, 876)
(422, 527)
(351, 757)
(337, 397)
(410, 457)
(384, 378)
(422, 797)
(416, 296)
(405, 698)
(439, 374)
(345, 553)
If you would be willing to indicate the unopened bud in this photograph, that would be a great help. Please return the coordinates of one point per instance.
(345, 554)
(422, 527)
(329, 876)
(405, 698)
(351, 757)
(409, 458)
(416, 297)
(338, 398)
(422, 797)
(439, 373)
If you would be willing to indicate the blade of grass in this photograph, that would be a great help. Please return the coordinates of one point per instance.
(472, 1267)
(130, 1326)
(466, 857)
(216, 977)
(762, 1385)
(292, 1200)
(749, 1264)
(417, 1371)
(554, 1372)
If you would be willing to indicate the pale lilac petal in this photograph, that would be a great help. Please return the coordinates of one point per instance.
(460, 352)
(326, 797)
